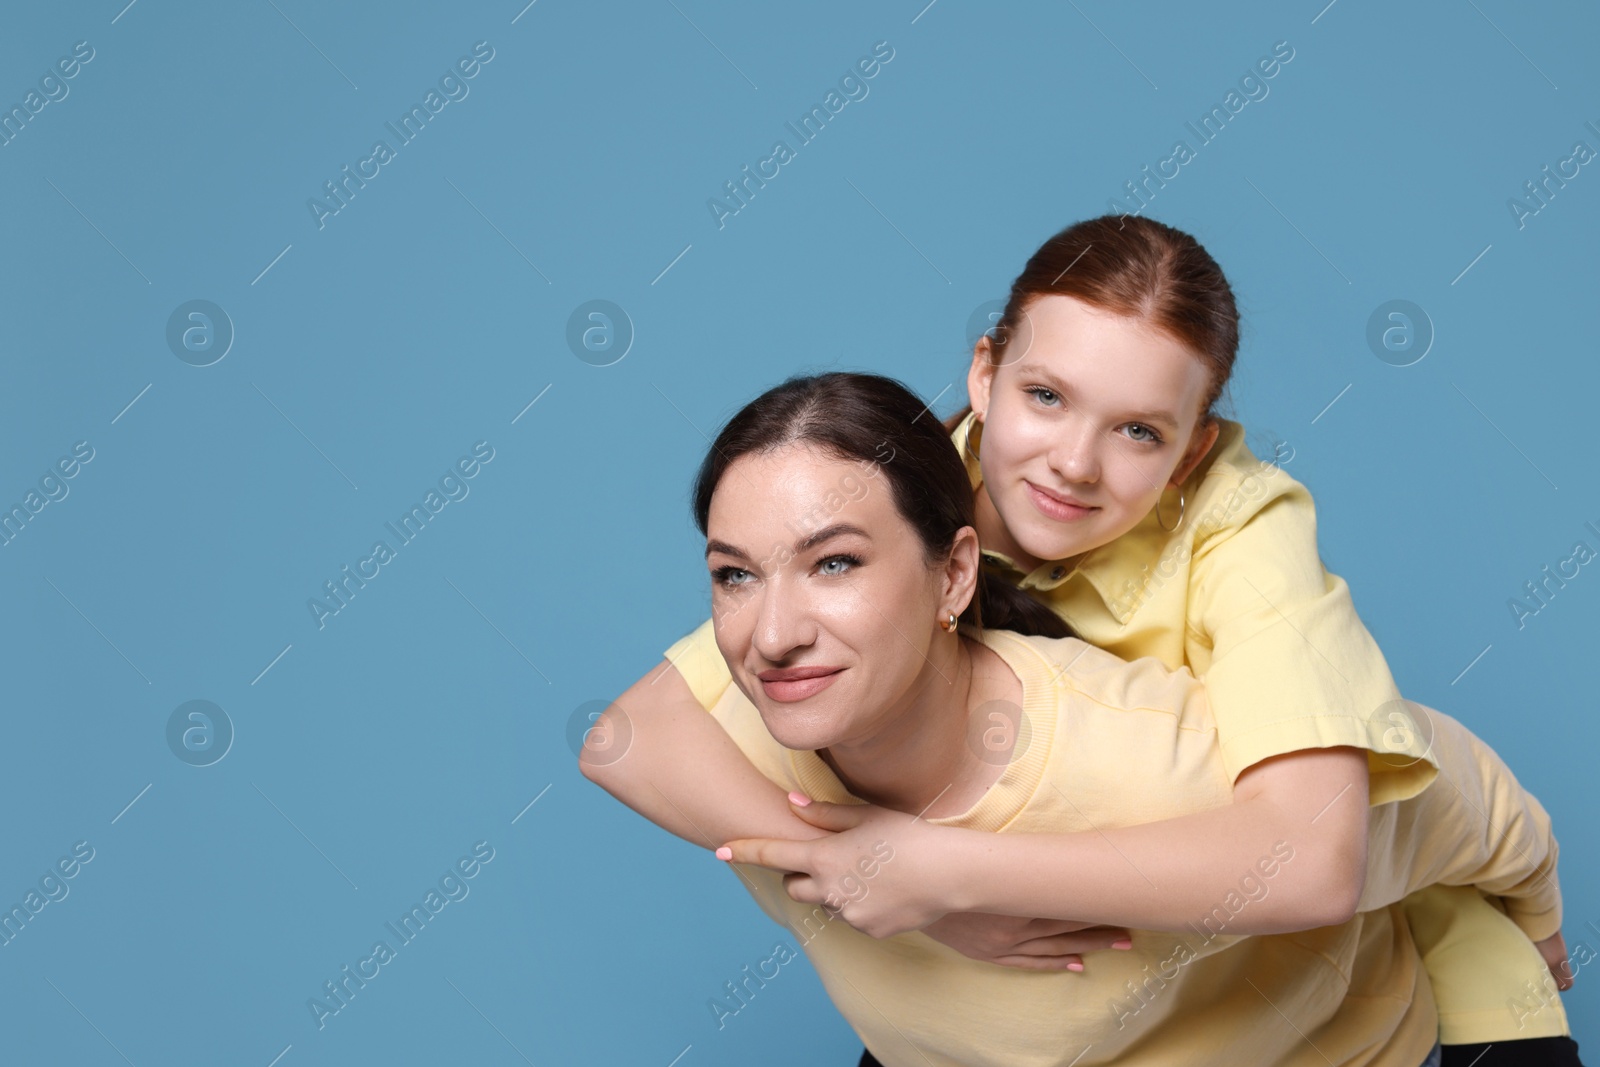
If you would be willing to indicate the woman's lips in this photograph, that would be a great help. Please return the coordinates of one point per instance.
(1054, 507)
(788, 686)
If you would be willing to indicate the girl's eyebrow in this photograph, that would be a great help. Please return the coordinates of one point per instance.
(1044, 374)
(827, 533)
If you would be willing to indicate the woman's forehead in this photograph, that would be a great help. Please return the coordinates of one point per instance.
(798, 487)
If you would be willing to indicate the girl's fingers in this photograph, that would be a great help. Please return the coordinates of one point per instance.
(771, 852)
(1072, 944)
(802, 888)
(1554, 951)
(1041, 963)
(1052, 927)
(826, 816)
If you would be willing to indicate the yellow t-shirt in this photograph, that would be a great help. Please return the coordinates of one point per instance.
(1112, 743)
(1238, 594)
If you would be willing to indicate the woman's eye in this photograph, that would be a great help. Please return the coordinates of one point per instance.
(837, 564)
(1047, 397)
(729, 577)
(1138, 431)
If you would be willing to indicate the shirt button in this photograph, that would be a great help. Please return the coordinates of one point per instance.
(1058, 572)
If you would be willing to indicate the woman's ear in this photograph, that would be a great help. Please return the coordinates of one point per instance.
(980, 376)
(961, 572)
(1205, 435)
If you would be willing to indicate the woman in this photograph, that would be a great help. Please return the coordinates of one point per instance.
(1105, 484)
(837, 614)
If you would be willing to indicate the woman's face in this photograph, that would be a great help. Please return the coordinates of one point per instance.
(1090, 417)
(823, 605)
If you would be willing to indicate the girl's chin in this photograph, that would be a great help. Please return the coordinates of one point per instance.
(1046, 540)
(1047, 549)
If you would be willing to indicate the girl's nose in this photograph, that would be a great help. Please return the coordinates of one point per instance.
(1076, 456)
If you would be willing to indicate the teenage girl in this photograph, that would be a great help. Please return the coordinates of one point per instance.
(1106, 485)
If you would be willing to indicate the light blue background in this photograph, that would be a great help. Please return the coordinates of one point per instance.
(423, 317)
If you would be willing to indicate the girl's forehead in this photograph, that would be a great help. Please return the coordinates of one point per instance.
(1101, 358)
(1057, 323)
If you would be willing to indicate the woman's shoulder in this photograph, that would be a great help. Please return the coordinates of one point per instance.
(1069, 668)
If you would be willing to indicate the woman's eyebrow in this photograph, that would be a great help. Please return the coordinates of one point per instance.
(1043, 373)
(827, 533)
(725, 548)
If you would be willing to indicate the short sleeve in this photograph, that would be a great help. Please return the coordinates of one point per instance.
(698, 659)
(1292, 666)
(1475, 825)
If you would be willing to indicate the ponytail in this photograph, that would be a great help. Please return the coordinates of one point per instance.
(1005, 607)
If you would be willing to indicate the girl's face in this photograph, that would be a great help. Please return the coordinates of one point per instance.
(1091, 416)
(822, 603)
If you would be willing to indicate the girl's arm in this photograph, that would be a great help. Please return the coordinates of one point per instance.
(1285, 855)
(1238, 869)
(1290, 853)
(1473, 825)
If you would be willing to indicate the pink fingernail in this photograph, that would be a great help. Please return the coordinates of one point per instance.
(1074, 966)
(799, 800)
(1124, 943)
(724, 853)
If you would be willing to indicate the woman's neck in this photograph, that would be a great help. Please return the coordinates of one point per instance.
(920, 761)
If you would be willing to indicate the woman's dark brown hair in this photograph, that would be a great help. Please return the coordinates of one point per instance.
(867, 418)
(1133, 266)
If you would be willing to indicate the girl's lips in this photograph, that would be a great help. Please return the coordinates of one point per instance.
(789, 690)
(1056, 509)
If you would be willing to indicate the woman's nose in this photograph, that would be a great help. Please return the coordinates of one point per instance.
(782, 624)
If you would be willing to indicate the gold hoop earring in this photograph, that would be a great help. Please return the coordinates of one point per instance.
(976, 429)
(1181, 505)
(949, 625)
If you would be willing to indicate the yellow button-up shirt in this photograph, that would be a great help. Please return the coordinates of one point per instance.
(1238, 594)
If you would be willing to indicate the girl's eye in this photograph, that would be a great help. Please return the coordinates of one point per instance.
(729, 577)
(1047, 397)
(847, 561)
(1138, 431)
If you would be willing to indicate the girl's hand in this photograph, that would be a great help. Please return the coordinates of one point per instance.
(1554, 951)
(1028, 944)
(879, 869)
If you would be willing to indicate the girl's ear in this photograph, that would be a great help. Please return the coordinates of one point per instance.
(1205, 435)
(980, 376)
